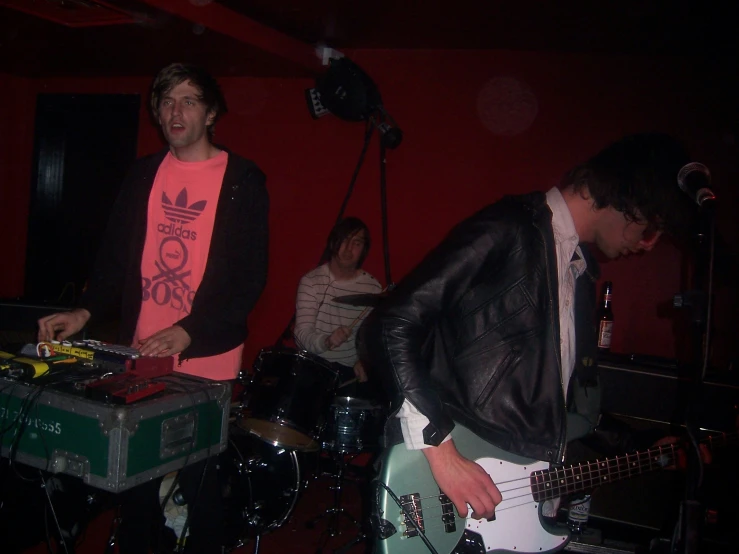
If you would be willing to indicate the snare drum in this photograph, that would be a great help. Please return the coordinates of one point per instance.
(289, 398)
(354, 425)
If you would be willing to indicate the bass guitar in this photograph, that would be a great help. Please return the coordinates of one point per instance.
(415, 517)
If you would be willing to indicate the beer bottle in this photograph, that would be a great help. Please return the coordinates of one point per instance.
(605, 317)
(578, 514)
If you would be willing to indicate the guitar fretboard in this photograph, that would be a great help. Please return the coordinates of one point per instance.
(552, 483)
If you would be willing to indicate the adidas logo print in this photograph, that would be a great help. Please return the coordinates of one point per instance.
(180, 212)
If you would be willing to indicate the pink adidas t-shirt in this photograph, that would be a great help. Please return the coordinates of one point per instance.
(182, 210)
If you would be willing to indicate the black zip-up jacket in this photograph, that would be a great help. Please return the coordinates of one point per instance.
(235, 272)
(472, 333)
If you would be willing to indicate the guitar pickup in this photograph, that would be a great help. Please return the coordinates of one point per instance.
(412, 511)
(447, 513)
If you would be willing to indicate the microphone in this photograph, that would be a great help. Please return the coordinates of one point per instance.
(694, 179)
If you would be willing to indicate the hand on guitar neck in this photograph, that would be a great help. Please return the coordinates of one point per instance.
(463, 481)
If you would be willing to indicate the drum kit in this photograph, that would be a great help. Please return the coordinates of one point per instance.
(289, 410)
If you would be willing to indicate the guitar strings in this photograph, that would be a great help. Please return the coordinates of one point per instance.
(433, 508)
(440, 505)
(564, 481)
(632, 458)
(560, 486)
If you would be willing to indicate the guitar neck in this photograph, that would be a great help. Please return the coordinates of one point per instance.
(555, 482)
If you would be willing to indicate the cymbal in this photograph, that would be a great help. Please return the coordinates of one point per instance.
(367, 299)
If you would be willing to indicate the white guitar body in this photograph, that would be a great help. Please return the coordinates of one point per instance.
(517, 527)
(406, 479)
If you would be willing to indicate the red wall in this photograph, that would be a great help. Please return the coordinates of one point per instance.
(448, 166)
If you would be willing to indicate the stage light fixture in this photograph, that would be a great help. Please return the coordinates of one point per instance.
(316, 109)
(347, 92)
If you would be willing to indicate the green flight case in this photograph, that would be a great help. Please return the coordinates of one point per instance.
(109, 446)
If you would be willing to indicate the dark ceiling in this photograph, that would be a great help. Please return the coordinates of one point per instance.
(277, 38)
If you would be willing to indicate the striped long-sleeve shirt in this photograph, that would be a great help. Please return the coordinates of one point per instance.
(317, 315)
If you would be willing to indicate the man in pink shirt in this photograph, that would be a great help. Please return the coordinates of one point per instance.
(185, 258)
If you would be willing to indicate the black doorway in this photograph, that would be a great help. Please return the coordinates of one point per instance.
(84, 144)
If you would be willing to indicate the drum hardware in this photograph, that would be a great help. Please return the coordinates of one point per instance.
(280, 434)
(336, 511)
(354, 425)
(361, 537)
(288, 398)
(245, 378)
(237, 407)
(236, 411)
(253, 464)
(261, 485)
(367, 299)
(288, 405)
(347, 383)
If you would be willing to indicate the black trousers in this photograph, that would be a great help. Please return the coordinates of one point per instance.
(142, 522)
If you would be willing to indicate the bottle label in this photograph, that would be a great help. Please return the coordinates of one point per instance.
(579, 512)
(607, 297)
(604, 334)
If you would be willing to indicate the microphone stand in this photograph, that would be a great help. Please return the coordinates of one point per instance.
(383, 207)
(326, 255)
(699, 301)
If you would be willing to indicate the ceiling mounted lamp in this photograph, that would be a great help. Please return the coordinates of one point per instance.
(346, 91)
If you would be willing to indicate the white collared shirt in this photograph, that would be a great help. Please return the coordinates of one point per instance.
(568, 270)
(566, 240)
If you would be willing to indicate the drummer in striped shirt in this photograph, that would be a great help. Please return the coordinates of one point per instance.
(329, 328)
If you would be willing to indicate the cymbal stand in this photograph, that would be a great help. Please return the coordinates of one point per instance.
(335, 512)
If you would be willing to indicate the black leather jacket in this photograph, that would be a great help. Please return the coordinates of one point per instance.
(472, 333)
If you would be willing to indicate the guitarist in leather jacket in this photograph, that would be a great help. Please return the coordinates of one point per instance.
(495, 328)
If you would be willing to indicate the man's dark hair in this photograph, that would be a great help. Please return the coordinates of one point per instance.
(176, 73)
(637, 176)
(348, 227)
